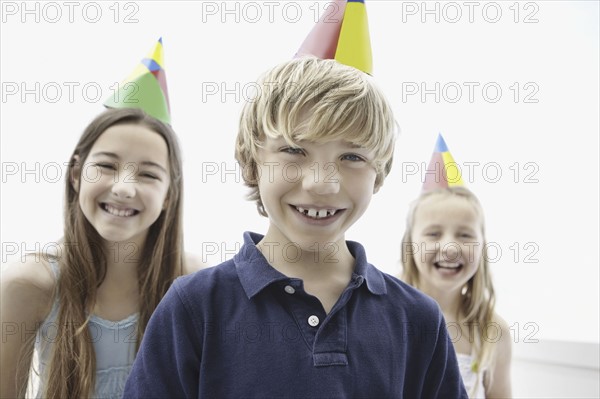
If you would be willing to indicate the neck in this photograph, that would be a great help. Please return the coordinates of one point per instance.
(307, 262)
(118, 294)
(122, 260)
(324, 267)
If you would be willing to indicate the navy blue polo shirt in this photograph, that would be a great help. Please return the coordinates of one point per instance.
(244, 330)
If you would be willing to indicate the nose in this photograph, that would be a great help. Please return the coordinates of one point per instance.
(123, 187)
(321, 178)
(451, 250)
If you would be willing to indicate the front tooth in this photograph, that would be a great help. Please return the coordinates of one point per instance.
(312, 213)
(322, 213)
(119, 212)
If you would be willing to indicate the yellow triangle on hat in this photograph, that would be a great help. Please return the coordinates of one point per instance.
(443, 171)
(354, 44)
(342, 34)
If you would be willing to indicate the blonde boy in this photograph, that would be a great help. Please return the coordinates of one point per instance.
(299, 312)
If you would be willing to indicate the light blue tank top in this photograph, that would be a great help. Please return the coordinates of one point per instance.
(114, 344)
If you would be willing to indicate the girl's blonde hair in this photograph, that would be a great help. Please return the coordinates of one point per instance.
(72, 368)
(478, 298)
(341, 102)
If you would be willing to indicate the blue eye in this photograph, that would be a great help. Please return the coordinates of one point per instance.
(352, 158)
(293, 150)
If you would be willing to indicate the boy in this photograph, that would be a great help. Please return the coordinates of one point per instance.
(299, 312)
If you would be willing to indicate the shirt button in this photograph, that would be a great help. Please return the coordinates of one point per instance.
(289, 289)
(313, 321)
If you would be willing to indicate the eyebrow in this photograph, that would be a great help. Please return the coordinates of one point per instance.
(115, 156)
(352, 145)
(344, 143)
(432, 226)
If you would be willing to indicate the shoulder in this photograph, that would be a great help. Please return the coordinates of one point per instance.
(498, 384)
(410, 296)
(504, 342)
(28, 286)
(208, 277)
(202, 294)
(405, 303)
(216, 278)
(193, 263)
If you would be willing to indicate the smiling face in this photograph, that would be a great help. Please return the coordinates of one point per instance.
(313, 100)
(313, 192)
(123, 183)
(448, 232)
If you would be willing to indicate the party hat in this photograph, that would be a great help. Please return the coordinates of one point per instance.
(146, 87)
(442, 171)
(342, 34)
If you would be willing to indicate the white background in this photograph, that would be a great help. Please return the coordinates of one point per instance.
(543, 219)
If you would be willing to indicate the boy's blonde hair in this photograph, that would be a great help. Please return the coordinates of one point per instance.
(341, 102)
(478, 298)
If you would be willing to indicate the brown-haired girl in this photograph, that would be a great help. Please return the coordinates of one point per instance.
(84, 308)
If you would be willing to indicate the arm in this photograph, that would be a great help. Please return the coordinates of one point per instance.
(27, 291)
(168, 362)
(498, 384)
(443, 379)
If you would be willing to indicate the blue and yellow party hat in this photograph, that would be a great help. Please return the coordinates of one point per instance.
(442, 171)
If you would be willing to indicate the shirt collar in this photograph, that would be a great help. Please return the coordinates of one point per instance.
(255, 273)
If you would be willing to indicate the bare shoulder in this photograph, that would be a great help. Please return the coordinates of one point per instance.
(27, 287)
(505, 339)
(193, 263)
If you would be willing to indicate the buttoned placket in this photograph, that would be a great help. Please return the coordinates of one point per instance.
(325, 335)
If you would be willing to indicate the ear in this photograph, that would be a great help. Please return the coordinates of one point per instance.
(75, 172)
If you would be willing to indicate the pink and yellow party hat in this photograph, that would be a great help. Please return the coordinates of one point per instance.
(442, 171)
(146, 87)
(342, 33)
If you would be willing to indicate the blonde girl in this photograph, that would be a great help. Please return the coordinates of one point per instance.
(444, 255)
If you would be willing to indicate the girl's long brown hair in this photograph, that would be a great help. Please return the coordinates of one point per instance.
(72, 368)
(478, 298)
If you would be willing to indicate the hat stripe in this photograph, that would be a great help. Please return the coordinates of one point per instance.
(151, 64)
(451, 170)
(440, 144)
(322, 40)
(354, 45)
(156, 53)
(342, 33)
(443, 171)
